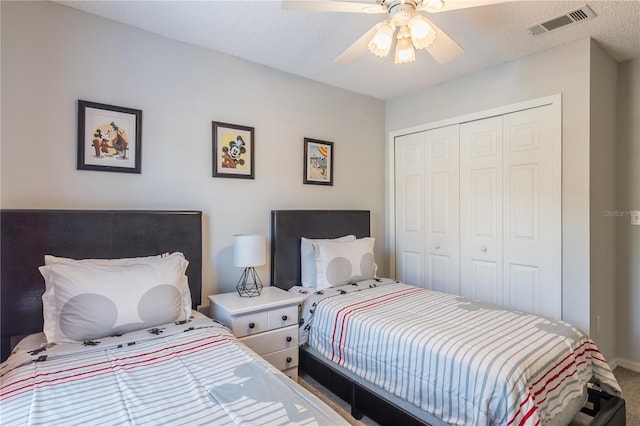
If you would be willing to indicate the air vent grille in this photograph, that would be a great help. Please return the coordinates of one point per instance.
(581, 14)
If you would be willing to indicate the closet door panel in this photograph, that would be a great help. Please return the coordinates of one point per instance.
(481, 210)
(532, 182)
(409, 208)
(442, 209)
(478, 210)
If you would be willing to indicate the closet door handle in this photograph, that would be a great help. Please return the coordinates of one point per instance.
(483, 249)
(437, 246)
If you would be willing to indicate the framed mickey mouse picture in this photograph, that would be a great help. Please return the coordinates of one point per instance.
(233, 151)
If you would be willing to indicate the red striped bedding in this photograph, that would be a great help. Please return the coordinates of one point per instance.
(193, 372)
(463, 361)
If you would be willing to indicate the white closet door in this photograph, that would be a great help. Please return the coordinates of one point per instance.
(442, 242)
(481, 210)
(409, 206)
(427, 218)
(532, 248)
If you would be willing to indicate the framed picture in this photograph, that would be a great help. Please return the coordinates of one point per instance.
(318, 162)
(233, 151)
(109, 138)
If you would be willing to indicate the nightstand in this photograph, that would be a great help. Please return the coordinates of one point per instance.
(268, 324)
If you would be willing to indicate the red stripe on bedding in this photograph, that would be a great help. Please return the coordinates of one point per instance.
(104, 370)
(574, 363)
(117, 359)
(568, 371)
(575, 357)
(571, 364)
(517, 413)
(528, 415)
(569, 355)
(370, 303)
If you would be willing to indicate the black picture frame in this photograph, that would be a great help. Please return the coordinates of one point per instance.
(233, 150)
(318, 162)
(109, 138)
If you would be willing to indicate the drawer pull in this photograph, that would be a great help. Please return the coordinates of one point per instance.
(289, 338)
(252, 325)
(289, 359)
(284, 317)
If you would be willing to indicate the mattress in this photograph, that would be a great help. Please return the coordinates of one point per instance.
(462, 361)
(189, 372)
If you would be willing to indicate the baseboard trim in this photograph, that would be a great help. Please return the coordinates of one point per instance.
(625, 363)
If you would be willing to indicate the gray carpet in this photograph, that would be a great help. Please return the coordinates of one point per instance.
(629, 381)
(630, 384)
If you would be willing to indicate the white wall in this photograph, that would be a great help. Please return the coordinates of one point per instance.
(628, 198)
(601, 154)
(562, 70)
(586, 77)
(53, 55)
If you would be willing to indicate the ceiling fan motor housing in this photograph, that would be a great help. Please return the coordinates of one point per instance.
(400, 10)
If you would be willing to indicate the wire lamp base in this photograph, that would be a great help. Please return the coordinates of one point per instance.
(249, 284)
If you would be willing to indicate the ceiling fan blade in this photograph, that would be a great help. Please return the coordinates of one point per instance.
(360, 46)
(459, 4)
(444, 48)
(332, 6)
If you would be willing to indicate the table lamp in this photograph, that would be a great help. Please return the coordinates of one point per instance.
(249, 251)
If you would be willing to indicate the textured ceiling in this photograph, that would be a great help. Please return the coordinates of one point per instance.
(306, 43)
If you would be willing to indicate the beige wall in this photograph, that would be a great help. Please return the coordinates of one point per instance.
(628, 198)
(602, 183)
(53, 55)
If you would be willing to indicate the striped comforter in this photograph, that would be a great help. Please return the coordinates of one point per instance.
(192, 373)
(466, 362)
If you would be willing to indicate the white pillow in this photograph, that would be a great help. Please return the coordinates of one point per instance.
(308, 271)
(185, 292)
(340, 263)
(86, 300)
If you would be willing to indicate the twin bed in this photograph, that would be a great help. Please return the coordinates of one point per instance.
(192, 371)
(406, 355)
(144, 370)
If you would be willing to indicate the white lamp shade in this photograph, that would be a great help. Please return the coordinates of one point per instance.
(249, 250)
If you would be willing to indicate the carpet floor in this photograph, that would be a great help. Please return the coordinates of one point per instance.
(629, 381)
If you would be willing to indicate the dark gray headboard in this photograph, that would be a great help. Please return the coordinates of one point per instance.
(27, 235)
(288, 226)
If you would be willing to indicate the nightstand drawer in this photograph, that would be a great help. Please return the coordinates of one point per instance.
(284, 359)
(292, 373)
(245, 325)
(283, 317)
(272, 341)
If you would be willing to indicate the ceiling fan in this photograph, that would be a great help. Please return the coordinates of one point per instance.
(415, 31)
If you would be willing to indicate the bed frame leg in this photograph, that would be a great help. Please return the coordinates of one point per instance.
(355, 412)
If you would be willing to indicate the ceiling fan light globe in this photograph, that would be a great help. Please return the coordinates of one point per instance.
(422, 34)
(380, 43)
(419, 27)
(404, 51)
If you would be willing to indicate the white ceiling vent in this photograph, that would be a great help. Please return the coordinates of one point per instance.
(581, 14)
